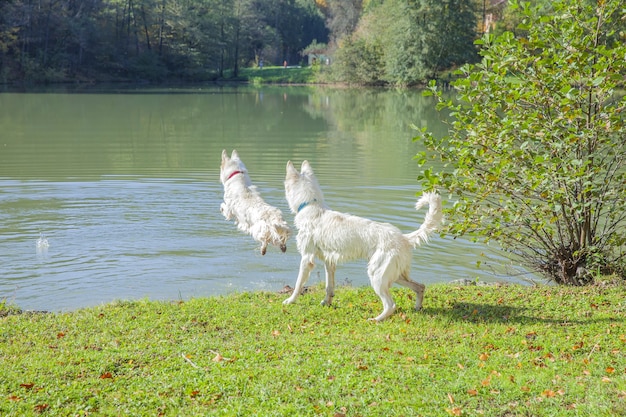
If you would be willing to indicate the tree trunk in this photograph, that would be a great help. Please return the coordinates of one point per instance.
(145, 27)
(161, 27)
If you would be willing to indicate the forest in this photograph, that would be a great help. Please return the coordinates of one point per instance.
(373, 41)
(154, 40)
(398, 42)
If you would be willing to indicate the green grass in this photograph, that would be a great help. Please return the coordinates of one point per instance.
(493, 351)
(279, 75)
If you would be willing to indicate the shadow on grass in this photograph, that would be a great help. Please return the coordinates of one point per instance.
(497, 313)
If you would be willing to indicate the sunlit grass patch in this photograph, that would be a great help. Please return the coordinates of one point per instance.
(472, 351)
(279, 75)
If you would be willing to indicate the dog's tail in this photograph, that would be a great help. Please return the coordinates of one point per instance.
(432, 221)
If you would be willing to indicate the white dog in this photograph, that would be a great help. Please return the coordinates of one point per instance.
(336, 237)
(243, 203)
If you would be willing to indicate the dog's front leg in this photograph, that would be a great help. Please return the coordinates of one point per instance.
(306, 266)
(330, 284)
(226, 211)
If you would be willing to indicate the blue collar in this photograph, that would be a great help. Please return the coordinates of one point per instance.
(303, 205)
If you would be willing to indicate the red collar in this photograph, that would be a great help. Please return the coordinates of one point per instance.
(233, 174)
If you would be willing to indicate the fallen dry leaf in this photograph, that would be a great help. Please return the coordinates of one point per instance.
(456, 411)
(41, 407)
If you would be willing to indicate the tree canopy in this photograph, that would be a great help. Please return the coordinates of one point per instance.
(400, 42)
(56, 40)
(375, 41)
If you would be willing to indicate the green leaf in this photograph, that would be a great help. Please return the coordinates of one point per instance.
(597, 81)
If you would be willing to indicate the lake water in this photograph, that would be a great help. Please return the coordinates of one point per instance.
(123, 184)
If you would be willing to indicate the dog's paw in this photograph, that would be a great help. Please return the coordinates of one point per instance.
(289, 300)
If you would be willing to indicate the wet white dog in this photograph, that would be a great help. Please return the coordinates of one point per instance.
(335, 237)
(244, 204)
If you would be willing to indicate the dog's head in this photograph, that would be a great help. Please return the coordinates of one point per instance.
(302, 188)
(232, 166)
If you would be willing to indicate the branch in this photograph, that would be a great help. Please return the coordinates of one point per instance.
(189, 361)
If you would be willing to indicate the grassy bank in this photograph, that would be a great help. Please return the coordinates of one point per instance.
(493, 351)
(280, 75)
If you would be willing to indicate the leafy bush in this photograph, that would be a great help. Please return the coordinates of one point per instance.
(535, 154)
(360, 61)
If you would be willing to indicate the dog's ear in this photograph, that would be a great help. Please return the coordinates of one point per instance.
(224, 157)
(234, 155)
(306, 168)
(291, 170)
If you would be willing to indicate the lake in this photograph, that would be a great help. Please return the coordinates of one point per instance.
(123, 184)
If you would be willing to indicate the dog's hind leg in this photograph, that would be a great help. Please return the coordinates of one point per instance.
(306, 266)
(388, 305)
(415, 286)
(381, 282)
(330, 284)
(382, 272)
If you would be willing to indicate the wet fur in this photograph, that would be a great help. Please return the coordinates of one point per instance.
(243, 204)
(335, 237)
